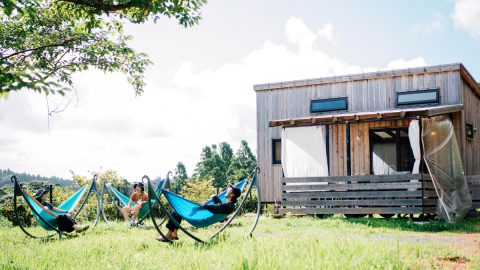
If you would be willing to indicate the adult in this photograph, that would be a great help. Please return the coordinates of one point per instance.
(217, 208)
(65, 221)
(138, 199)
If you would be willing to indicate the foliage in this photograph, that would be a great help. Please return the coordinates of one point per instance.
(42, 43)
(180, 178)
(198, 190)
(243, 163)
(222, 167)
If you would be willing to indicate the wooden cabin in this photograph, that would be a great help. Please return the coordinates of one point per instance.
(356, 114)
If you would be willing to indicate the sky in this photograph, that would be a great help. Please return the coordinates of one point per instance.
(200, 88)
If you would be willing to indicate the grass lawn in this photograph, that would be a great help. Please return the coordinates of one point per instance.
(288, 243)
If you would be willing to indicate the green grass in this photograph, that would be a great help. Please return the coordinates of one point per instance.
(288, 243)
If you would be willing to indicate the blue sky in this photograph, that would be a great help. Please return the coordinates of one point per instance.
(200, 89)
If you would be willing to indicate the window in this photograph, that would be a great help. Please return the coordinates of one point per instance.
(418, 97)
(330, 104)
(276, 151)
(390, 151)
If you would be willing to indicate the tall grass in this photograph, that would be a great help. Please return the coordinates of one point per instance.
(289, 243)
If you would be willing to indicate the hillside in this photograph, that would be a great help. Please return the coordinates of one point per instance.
(25, 178)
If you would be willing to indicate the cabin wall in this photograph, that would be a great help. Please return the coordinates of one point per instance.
(471, 147)
(363, 95)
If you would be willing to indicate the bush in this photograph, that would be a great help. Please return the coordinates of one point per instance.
(198, 190)
(25, 216)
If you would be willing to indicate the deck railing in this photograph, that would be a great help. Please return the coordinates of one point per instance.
(362, 194)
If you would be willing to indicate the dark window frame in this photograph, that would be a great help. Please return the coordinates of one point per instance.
(433, 101)
(326, 100)
(395, 140)
(274, 161)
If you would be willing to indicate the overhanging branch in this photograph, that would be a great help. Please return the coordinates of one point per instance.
(100, 5)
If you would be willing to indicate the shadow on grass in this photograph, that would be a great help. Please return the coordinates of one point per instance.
(405, 224)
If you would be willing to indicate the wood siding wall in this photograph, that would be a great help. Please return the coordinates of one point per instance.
(363, 95)
(470, 147)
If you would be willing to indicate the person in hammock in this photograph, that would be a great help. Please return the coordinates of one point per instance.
(217, 208)
(65, 221)
(139, 197)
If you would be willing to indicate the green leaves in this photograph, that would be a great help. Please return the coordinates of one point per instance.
(43, 43)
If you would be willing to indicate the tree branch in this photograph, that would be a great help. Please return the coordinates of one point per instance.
(65, 42)
(100, 5)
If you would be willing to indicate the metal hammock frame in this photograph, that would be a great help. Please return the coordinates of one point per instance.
(163, 207)
(18, 191)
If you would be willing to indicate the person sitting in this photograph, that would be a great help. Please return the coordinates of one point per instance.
(139, 197)
(66, 222)
(217, 208)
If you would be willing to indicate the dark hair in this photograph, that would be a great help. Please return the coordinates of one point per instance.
(236, 193)
(140, 185)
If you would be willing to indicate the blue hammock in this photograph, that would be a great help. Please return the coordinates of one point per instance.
(124, 199)
(51, 216)
(193, 212)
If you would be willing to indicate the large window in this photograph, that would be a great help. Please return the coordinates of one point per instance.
(276, 151)
(390, 151)
(418, 97)
(327, 105)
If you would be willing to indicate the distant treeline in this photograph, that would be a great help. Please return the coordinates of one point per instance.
(25, 177)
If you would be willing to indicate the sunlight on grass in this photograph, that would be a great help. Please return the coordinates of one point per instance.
(288, 243)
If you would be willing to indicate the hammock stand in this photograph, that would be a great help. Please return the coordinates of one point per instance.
(114, 193)
(18, 192)
(253, 183)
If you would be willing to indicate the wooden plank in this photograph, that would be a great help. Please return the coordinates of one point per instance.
(356, 194)
(356, 186)
(474, 186)
(368, 203)
(430, 193)
(355, 178)
(344, 210)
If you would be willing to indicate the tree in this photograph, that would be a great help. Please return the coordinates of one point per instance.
(226, 153)
(211, 167)
(42, 43)
(242, 164)
(180, 178)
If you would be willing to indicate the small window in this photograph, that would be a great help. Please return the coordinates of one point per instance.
(276, 151)
(330, 104)
(418, 97)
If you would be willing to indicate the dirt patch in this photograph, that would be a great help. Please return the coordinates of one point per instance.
(455, 262)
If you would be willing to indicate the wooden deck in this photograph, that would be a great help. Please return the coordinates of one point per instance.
(365, 194)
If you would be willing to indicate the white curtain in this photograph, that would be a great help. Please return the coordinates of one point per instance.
(414, 137)
(303, 152)
(384, 158)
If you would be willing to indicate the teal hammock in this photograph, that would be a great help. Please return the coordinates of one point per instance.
(124, 199)
(193, 212)
(51, 216)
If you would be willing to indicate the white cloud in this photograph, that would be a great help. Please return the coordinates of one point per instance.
(402, 63)
(299, 33)
(180, 112)
(466, 15)
(435, 25)
(327, 33)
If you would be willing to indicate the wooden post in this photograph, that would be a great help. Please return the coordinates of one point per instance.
(327, 144)
(349, 165)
